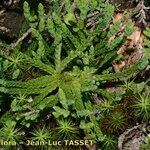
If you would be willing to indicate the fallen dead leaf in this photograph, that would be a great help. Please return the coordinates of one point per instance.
(118, 17)
(118, 66)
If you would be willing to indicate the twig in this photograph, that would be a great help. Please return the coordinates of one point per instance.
(123, 136)
(8, 3)
(4, 29)
(1, 12)
(142, 13)
(13, 45)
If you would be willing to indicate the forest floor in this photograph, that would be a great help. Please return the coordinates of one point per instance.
(11, 20)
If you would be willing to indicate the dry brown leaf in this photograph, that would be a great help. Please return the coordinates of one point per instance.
(132, 41)
(118, 67)
(118, 17)
(134, 37)
(132, 50)
(132, 138)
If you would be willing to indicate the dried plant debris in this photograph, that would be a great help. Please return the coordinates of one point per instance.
(76, 64)
(138, 9)
(132, 50)
(9, 28)
(12, 25)
(142, 15)
(133, 138)
(92, 19)
(122, 5)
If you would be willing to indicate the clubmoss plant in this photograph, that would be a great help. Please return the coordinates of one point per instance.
(73, 65)
(146, 144)
(66, 130)
(128, 86)
(142, 107)
(14, 64)
(147, 43)
(110, 143)
(41, 134)
(106, 106)
(114, 122)
(9, 132)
